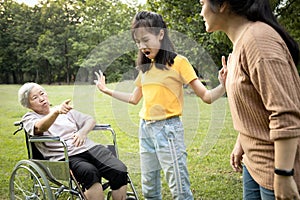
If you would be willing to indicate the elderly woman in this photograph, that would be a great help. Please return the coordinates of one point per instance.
(88, 161)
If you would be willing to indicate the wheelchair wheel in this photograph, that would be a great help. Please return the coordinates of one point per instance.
(28, 181)
(130, 198)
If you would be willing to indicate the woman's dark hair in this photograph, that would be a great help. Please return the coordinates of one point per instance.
(153, 23)
(260, 10)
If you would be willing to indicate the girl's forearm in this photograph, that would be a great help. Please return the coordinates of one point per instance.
(217, 92)
(122, 96)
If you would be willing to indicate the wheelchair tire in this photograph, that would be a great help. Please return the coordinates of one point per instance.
(28, 181)
(130, 198)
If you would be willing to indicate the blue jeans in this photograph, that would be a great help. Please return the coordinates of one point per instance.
(252, 190)
(162, 147)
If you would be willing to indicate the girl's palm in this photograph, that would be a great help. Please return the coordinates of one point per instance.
(100, 82)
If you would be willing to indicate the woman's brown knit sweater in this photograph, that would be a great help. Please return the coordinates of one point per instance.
(263, 88)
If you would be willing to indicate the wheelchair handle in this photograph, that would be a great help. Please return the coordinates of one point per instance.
(20, 124)
(101, 127)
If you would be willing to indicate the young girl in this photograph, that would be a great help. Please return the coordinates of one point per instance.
(263, 88)
(162, 73)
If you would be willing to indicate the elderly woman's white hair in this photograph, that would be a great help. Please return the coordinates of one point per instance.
(24, 92)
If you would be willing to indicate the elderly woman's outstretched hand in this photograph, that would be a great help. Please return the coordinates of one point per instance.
(64, 108)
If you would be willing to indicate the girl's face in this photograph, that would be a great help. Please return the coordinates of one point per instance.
(210, 18)
(38, 100)
(148, 42)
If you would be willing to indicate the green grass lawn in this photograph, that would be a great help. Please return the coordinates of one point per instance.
(209, 137)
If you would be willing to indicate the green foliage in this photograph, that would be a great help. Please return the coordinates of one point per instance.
(49, 42)
(288, 16)
(52, 41)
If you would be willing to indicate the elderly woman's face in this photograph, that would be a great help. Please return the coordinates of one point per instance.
(38, 100)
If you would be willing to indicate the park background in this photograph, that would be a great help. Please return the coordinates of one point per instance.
(60, 43)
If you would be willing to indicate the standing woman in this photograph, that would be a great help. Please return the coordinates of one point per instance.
(263, 88)
(162, 73)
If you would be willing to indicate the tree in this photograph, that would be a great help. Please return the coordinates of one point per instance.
(53, 40)
(288, 16)
(17, 36)
(59, 19)
(105, 31)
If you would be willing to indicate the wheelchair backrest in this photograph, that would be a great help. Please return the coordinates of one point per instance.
(32, 151)
(53, 169)
(35, 153)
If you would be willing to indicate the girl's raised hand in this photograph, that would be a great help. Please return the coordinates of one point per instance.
(100, 82)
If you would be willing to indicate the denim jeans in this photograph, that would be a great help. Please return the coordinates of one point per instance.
(252, 190)
(162, 147)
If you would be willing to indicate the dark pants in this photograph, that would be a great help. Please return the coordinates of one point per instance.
(90, 166)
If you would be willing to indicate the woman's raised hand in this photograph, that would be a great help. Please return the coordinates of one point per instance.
(223, 72)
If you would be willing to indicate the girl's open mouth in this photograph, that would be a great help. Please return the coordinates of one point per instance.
(146, 53)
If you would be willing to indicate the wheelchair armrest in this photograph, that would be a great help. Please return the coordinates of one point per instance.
(107, 127)
(101, 127)
(41, 139)
(44, 139)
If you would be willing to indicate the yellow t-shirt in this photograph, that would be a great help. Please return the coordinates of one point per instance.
(163, 89)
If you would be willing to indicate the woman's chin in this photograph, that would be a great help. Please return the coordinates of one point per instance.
(209, 29)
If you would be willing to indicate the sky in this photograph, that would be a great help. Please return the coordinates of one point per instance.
(33, 2)
(28, 2)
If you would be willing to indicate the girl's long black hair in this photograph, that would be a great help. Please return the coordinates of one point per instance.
(260, 10)
(153, 23)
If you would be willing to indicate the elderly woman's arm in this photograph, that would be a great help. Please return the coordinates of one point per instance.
(84, 123)
(45, 123)
(81, 135)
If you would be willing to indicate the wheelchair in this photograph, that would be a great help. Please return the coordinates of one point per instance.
(41, 179)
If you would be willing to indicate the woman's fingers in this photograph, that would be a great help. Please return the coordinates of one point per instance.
(224, 64)
(236, 162)
(78, 141)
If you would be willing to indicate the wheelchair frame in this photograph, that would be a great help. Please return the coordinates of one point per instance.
(38, 178)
